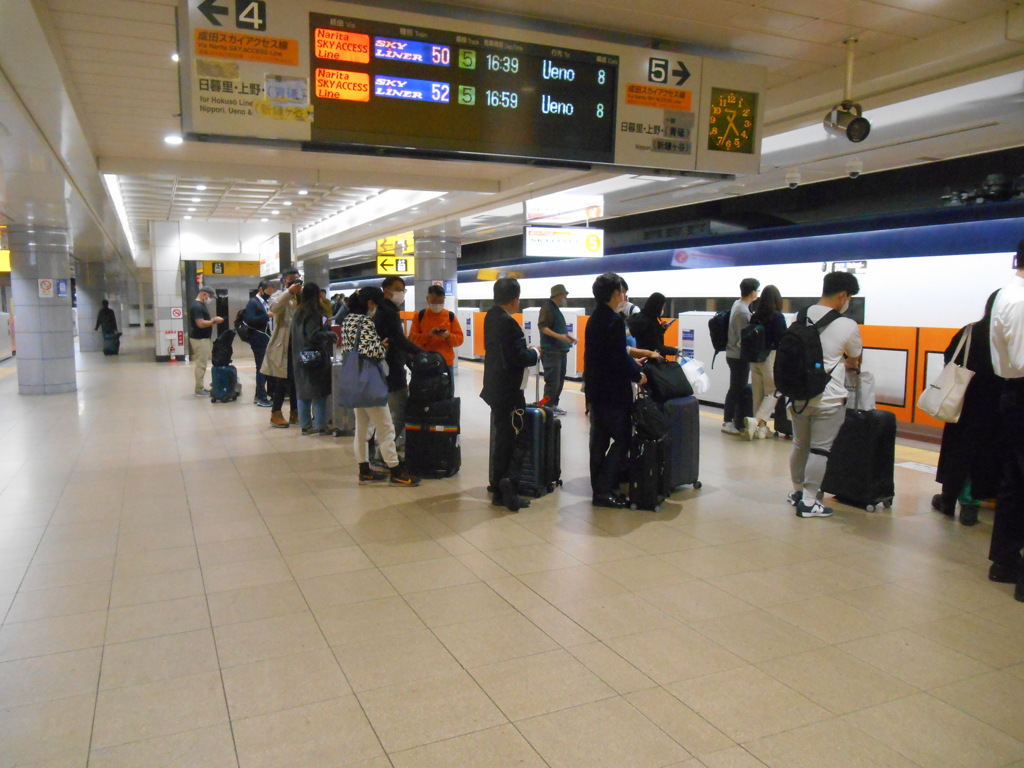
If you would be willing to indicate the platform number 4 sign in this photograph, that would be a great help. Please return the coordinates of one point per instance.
(251, 14)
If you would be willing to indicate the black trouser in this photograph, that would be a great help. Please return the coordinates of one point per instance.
(507, 445)
(738, 401)
(284, 387)
(609, 424)
(1008, 530)
(258, 353)
(554, 362)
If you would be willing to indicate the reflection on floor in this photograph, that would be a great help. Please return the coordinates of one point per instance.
(182, 585)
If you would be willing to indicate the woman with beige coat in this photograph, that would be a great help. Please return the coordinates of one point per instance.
(278, 361)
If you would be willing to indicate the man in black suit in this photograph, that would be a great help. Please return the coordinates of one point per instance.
(608, 371)
(505, 360)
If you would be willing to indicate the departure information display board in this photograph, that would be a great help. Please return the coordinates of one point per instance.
(331, 75)
(374, 82)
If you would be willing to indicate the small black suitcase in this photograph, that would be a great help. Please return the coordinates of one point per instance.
(111, 343)
(648, 475)
(541, 469)
(783, 425)
(224, 386)
(683, 461)
(432, 447)
(860, 464)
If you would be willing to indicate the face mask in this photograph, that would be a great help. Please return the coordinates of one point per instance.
(845, 308)
(435, 308)
(562, 302)
(398, 297)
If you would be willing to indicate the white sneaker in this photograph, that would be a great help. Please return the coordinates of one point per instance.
(762, 432)
(730, 429)
(749, 427)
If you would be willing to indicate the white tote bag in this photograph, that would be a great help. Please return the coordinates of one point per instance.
(944, 399)
(694, 372)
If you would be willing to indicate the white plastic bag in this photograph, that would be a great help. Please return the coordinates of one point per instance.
(860, 387)
(697, 376)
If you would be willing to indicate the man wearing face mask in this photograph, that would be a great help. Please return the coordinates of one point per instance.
(608, 371)
(818, 422)
(200, 336)
(555, 343)
(392, 330)
(436, 329)
(257, 317)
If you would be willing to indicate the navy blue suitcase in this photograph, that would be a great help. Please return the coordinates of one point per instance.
(432, 447)
(683, 461)
(224, 386)
(541, 470)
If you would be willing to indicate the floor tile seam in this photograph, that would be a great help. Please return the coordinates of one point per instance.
(849, 720)
(896, 673)
(103, 655)
(969, 654)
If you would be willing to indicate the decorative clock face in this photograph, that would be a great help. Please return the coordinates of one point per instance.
(731, 125)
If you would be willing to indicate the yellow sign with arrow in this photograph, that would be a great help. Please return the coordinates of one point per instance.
(396, 265)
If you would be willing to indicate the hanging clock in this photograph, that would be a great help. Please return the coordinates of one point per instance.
(731, 125)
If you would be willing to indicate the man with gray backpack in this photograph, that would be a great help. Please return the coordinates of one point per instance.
(810, 371)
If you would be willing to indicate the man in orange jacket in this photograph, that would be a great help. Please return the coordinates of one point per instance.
(438, 330)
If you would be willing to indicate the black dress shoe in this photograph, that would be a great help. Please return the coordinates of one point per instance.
(610, 501)
(512, 500)
(1005, 574)
(939, 505)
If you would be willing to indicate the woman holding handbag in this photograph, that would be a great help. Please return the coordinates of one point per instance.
(970, 458)
(312, 348)
(365, 389)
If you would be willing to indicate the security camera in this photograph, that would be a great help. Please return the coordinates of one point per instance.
(853, 168)
(793, 179)
(844, 120)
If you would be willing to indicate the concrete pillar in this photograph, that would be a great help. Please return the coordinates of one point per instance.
(317, 271)
(44, 324)
(89, 284)
(437, 261)
(168, 309)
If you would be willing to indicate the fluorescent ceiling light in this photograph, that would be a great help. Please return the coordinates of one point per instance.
(173, 139)
(303, 191)
(201, 187)
(375, 208)
(114, 190)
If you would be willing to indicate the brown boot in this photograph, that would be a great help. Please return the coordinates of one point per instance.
(277, 419)
(293, 417)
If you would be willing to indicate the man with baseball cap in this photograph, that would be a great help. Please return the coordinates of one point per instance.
(200, 336)
(555, 343)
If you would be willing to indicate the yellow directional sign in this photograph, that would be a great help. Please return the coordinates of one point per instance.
(396, 265)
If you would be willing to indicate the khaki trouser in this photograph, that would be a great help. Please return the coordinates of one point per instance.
(201, 349)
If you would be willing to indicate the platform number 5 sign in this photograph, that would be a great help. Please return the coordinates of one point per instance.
(249, 14)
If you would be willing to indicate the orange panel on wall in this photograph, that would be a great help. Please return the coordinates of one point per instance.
(901, 340)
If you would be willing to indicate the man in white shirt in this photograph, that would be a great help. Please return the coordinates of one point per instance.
(738, 402)
(1007, 341)
(818, 422)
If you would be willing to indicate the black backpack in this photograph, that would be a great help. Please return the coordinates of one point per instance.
(243, 330)
(754, 343)
(799, 363)
(718, 325)
(451, 316)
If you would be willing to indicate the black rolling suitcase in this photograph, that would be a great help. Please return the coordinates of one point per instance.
(432, 447)
(111, 343)
(648, 472)
(224, 386)
(541, 469)
(683, 460)
(860, 469)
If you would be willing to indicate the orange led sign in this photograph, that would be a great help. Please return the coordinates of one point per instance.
(339, 45)
(339, 84)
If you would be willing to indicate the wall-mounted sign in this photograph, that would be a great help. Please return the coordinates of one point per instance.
(232, 268)
(403, 245)
(396, 265)
(563, 242)
(46, 288)
(339, 76)
(856, 267)
(564, 208)
(63, 287)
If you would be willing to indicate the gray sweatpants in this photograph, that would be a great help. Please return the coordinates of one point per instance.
(814, 431)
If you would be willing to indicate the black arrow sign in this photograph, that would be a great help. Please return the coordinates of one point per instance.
(384, 264)
(211, 11)
(681, 72)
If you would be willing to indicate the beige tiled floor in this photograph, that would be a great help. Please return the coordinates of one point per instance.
(181, 585)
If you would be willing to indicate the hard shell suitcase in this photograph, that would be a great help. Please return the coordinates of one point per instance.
(648, 475)
(683, 459)
(224, 386)
(341, 420)
(432, 444)
(541, 468)
(860, 464)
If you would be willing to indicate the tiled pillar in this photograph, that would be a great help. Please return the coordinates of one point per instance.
(168, 312)
(43, 320)
(89, 293)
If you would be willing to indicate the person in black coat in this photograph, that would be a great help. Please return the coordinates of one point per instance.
(506, 359)
(312, 382)
(648, 329)
(257, 316)
(391, 328)
(608, 373)
(970, 458)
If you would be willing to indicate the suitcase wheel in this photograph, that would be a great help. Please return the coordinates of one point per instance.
(634, 506)
(697, 485)
(870, 508)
